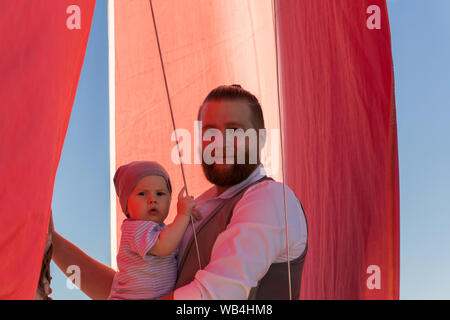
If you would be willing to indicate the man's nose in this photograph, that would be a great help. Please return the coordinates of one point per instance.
(151, 200)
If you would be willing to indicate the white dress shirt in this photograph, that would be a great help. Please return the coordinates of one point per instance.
(254, 239)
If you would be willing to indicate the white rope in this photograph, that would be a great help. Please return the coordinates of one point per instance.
(274, 8)
(174, 128)
(281, 138)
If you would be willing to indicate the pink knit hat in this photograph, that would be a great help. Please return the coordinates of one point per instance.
(128, 176)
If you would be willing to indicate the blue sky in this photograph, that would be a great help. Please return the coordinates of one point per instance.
(421, 48)
(81, 193)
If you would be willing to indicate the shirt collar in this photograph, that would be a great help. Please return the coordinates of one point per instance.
(257, 174)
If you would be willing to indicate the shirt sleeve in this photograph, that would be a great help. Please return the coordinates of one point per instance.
(142, 235)
(243, 253)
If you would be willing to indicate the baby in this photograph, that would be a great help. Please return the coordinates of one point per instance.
(147, 254)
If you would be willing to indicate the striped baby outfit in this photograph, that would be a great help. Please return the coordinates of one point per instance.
(142, 275)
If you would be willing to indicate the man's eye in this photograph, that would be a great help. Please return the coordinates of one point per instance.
(160, 193)
(141, 193)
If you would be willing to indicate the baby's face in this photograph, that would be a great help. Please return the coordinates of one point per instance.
(150, 200)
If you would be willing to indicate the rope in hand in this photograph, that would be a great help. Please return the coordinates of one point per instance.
(174, 128)
(281, 137)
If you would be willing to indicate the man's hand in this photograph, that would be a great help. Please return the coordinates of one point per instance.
(51, 227)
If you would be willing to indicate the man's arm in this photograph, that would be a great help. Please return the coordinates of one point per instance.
(96, 278)
(253, 240)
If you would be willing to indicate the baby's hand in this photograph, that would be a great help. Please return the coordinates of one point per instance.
(186, 205)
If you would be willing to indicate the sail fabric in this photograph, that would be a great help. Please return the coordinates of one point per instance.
(40, 63)
(337, 89)
(204, 44)
(337, 97)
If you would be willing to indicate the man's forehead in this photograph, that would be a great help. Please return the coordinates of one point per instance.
(236, 111)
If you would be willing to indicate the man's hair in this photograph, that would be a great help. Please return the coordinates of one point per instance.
(236, 92)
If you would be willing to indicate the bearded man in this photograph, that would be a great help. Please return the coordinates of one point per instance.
(242, 234)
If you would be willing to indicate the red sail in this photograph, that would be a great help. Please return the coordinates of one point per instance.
(336, 83)
(341, 144)
(204, 44)
(338, 104)
(43, 46)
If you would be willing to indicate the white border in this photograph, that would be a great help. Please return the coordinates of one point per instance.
(112, 131)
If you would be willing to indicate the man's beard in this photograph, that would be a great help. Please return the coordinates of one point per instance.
(229, 176)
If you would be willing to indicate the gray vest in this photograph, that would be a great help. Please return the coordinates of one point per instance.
(273, 286)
